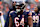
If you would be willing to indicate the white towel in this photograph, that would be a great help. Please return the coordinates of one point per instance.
(2, 21)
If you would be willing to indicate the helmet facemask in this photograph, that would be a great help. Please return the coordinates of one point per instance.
(18, 7)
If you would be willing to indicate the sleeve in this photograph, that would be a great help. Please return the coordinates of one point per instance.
(29, 13)
(26, 18)
(10, 14)
(33, 14)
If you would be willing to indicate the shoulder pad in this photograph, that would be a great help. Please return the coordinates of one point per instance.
(11, 11)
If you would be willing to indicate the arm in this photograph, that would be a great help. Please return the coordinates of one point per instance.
(30, 22)
(10, 22)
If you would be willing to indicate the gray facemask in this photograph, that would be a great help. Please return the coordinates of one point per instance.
(18, 10)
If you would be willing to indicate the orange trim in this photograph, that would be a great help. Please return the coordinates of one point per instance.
(36, 0)
(0, 2)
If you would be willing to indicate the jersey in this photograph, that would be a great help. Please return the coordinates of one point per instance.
(17, 18)
(35, 19)
(7, 20)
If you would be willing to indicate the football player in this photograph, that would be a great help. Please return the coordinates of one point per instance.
(20, 18)
(10, 9)
(36, 17)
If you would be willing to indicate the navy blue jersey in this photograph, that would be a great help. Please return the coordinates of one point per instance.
(7, 20)
(35, 20)
(14, 15)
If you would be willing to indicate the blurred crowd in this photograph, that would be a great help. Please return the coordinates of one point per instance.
(5, 7)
